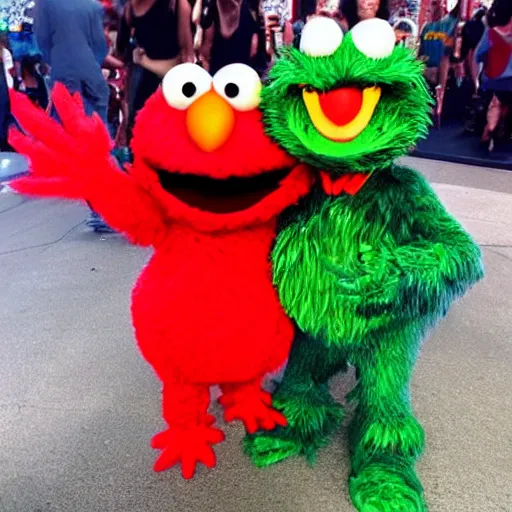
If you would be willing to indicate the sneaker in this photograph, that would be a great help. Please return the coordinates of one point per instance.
(97, 224)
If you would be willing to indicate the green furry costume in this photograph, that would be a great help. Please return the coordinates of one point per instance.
(365, 275)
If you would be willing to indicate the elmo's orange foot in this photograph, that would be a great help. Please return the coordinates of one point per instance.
(188, 446)
(253, 408)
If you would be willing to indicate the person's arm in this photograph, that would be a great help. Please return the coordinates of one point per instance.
(42, 30)
(205, 50)
(254, 45)
(159, 67)
(8, 62)
(288, 33)
(112, 62)
(185, 35)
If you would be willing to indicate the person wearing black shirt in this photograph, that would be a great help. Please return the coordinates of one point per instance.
(354, 11)
(241, 46)
(148, 38)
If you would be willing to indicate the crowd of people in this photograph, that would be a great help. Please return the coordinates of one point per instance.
(115, 53)
(473, 58)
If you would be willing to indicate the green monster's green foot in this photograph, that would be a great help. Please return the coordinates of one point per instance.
(387, 484)
(403, 436)
(384, 453)
(313, 416)
(267, 448)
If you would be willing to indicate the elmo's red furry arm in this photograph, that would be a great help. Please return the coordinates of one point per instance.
(73, 161)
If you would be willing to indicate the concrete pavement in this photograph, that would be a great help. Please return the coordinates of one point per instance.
(78, 404)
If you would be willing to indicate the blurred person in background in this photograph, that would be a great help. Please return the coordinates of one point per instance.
(495, 52)
(471, 35)
(326, 8)
(148, 41)
(437, 45)
(71, 38)
(114, 72)
(72, 41)
(23, 44)
(277, 27)
(233, 35)
(5, 111)
(227, 32)
(437, 41)
(7, 61)
(32, 81)
(354, 11)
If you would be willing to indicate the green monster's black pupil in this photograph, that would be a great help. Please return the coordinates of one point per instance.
(189, 89)
(231, 90)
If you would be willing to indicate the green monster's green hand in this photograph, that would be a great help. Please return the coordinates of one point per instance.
(417, 280)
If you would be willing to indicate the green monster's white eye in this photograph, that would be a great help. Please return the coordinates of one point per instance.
(183, 84)
(320, 37)
(239, 85)
(374, 37)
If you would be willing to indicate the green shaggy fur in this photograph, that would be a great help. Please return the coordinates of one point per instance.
(364, 277)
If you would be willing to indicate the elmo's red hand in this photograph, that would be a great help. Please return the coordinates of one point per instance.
(67, 160)
(72, 160)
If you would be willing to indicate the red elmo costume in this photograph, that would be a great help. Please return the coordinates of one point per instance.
(204, 190)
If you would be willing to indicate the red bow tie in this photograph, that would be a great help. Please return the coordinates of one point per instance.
(349, 183)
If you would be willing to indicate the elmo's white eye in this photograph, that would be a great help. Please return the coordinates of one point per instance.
(320, 37)
(184, 83)
(375, 38)
(239, 85)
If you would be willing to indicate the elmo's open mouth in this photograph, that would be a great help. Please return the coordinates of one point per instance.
(229, 195)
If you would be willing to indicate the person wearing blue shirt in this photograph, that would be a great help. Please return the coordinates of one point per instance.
(495, 53)
(72, 41)
(71, 38)
(436, 41)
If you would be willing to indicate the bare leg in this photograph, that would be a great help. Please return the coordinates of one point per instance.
(493, 119)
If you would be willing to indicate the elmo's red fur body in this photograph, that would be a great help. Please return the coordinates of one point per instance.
(205, 310)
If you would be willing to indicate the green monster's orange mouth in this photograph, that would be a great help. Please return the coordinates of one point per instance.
(341, 114)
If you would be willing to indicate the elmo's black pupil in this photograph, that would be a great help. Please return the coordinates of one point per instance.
(189, 89)
(231, 90)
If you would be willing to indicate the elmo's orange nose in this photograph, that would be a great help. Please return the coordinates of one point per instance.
(210, 121)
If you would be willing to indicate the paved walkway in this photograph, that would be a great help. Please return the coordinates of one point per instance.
(78, 405)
